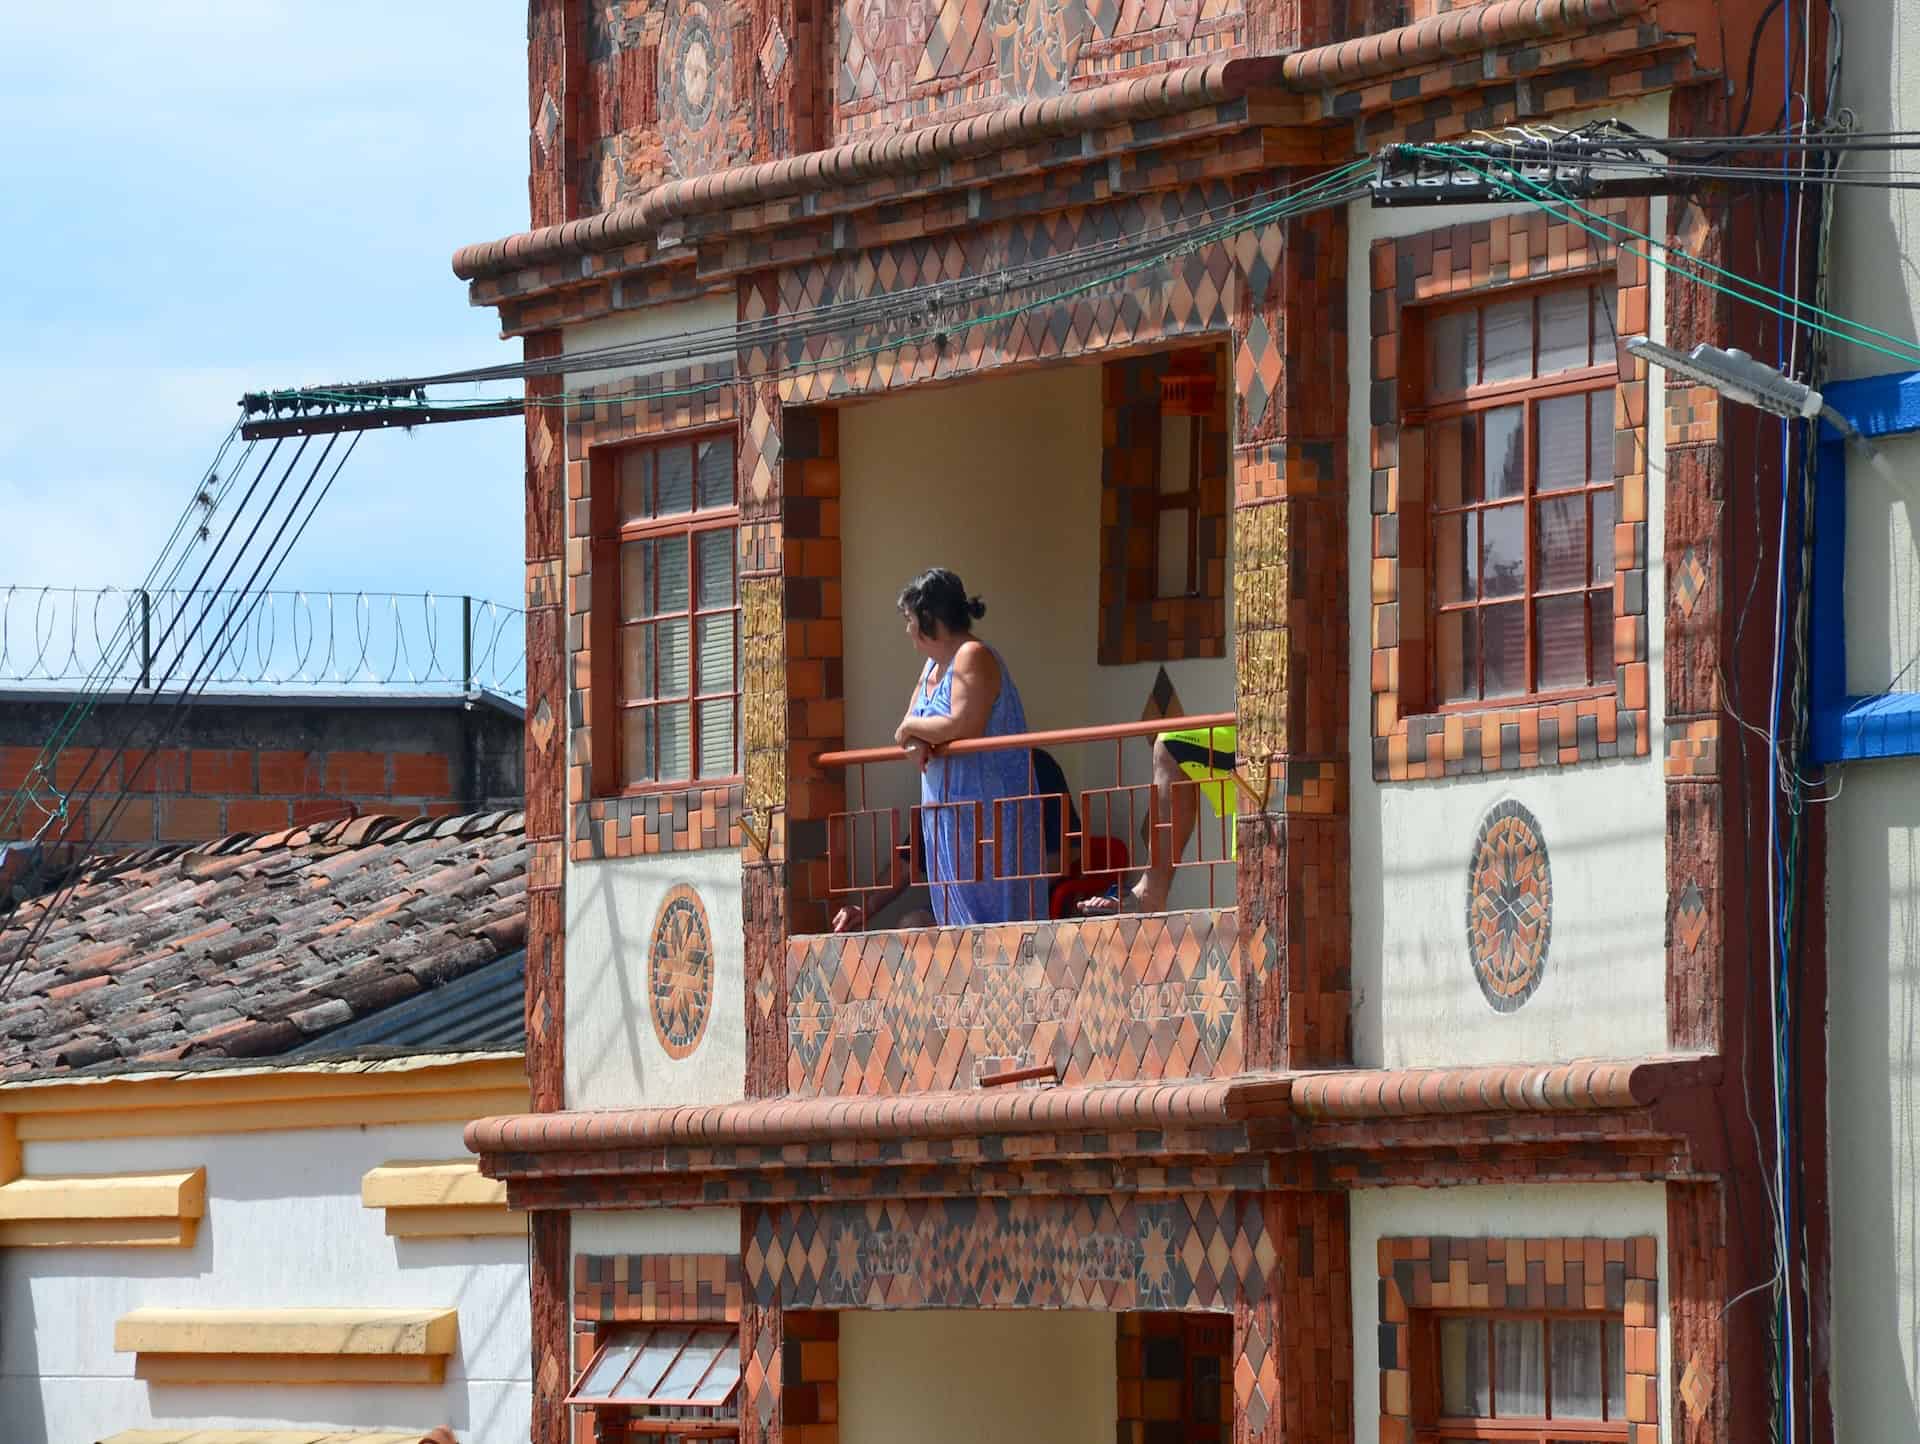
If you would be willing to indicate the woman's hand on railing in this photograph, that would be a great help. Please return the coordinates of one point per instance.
(918, 753)
(850, 918)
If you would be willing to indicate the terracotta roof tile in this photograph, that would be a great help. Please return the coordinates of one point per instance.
(257, 944)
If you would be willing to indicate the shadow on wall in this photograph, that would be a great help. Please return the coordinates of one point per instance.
(1876, 232)
(1874, 1047)
(23, 1412)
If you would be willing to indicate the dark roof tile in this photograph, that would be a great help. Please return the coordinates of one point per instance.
(256, 945)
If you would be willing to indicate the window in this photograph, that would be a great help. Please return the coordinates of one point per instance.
(674, 545)
(1518, 408)
(680, 1380)
(1525, 1377)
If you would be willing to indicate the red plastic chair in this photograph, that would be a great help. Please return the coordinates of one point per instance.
(1108, 856)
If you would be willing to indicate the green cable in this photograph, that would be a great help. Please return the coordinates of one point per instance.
(1548, 199)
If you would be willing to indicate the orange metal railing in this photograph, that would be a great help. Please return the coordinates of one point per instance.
(873, 853)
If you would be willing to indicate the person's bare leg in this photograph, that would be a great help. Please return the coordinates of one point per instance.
(1164, 845)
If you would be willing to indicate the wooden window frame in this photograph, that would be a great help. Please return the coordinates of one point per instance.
(1436, 408)
(1187, 501)
(610, 535)
(1483, 262)
(1431, 1426)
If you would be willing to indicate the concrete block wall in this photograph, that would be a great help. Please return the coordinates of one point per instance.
(266, 763)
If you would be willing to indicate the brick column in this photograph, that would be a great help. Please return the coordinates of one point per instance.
(546, 809)
(1697, 1392)
(1290, 590)
(1293, 1343)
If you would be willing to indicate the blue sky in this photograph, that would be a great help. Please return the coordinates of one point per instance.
(204, 197)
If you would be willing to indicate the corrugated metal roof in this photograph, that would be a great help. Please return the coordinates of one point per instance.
(484, 1009)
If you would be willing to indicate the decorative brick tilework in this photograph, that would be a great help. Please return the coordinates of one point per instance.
(1136, 625)
(656, 1288)
(549, 1240)
(1157, 1355)
(1184, 1251)
(1698, 1394)
(907, 62)
(640, 824)
(1133, 997)
(1293, 1371)
(1409, 741)
(1189, 296)
(810, 1383)
(1568, 1275)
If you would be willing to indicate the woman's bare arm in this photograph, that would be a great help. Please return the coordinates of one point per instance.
(976, 686)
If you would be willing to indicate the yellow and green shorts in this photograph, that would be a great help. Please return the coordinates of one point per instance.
(1205, 756)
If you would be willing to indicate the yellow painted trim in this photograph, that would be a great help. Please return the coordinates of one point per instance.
(9, 1149)
(126, 1210)
(440, 1199)
(359, 1369)
(265, 1436)
(173, 1103)
(288, 1346)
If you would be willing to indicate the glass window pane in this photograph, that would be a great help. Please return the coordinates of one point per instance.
(1506, 455)
(1463, 1368)
(655, 1358)
(636, 469)
(716, 471)
(637, 755)
(1508, 341)
(1176, 455)
(1503, 650)
(1602, 540)
(1459, 637)
(1560, 543)
(606, 1373)
(1519, 1368)
(672, 674)
(1560, 448)
(692, 1365)
(724, 1376)
(1170, 552)
(1560, 640)
(670, 559)
(1606, 340)
(1452, 363)
(1563, 331)
(1616, 1369)
(636, 662)
(1503, 551)
(719, 551)
(1576, 1368)
(636, 567)
(1456, 577)
(718, 756)
(675, 744)
(1451, 445)
(1600, 625)
(673, 480)
(1600, 465)
(716, 654)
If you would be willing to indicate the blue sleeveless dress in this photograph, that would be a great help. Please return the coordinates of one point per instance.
(947, 834)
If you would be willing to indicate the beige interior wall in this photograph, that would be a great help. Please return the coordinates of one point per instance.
(943, 1377)
(999, 480)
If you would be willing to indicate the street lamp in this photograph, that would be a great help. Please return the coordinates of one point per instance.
(1739, 377)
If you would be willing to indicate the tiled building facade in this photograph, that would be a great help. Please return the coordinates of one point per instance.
(1448, 1066)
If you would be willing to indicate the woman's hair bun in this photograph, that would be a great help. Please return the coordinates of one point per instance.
(976, 608)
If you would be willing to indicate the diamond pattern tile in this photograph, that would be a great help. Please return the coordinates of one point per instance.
(1101, 1000)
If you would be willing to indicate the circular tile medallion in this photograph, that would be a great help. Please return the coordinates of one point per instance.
(1509, 906)
(680, 973)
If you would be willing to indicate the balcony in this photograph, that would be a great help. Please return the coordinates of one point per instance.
(896, 1004)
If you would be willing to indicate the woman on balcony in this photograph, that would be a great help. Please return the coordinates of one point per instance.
(966, 691)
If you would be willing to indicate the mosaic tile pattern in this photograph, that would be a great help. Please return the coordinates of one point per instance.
(680, 973)
(1145, 997)
(1410, 742)
(656, 1288)
(915, 61)
(1189, 296)
(1509, 906)
(1572, 1275)
(1184, 1251)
